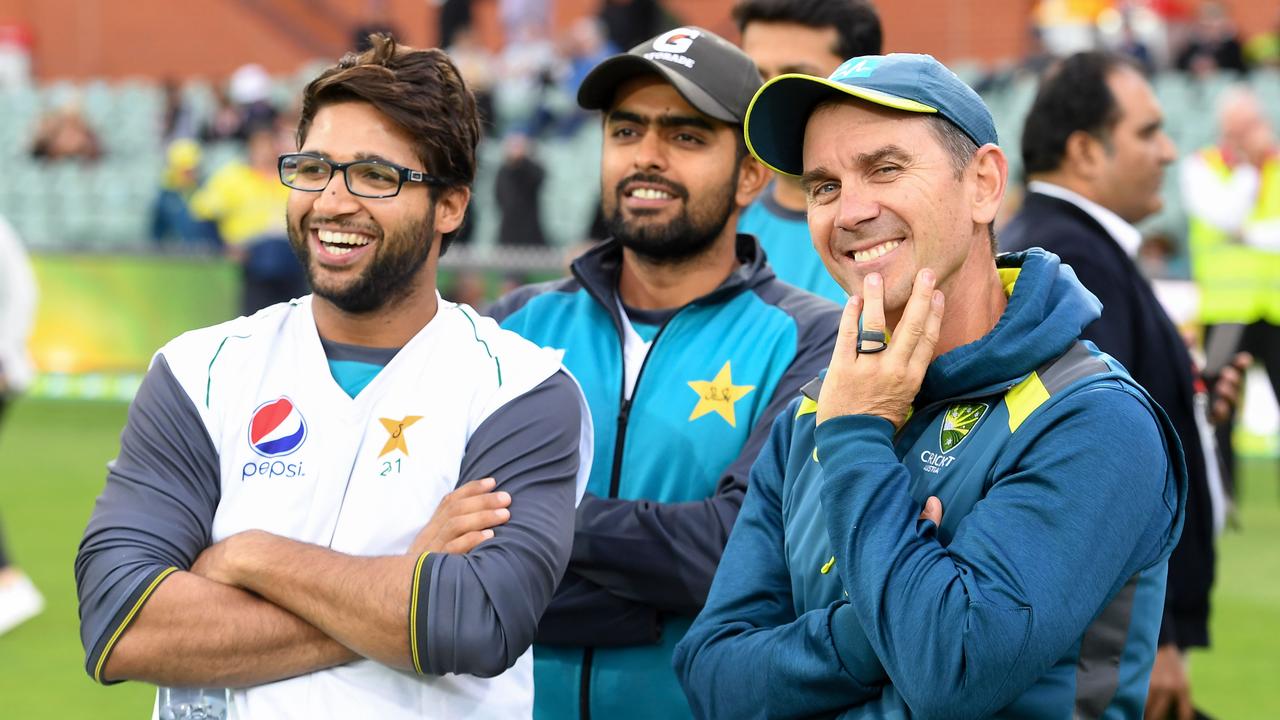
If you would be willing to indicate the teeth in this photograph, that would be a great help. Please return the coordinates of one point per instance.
(650, 194)
(875, 252)
(338, 250)
(328, 237)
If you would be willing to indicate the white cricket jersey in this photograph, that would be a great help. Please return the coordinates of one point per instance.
(302, 459)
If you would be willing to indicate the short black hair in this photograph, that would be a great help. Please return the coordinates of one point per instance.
(1073, 96)
(856, 22)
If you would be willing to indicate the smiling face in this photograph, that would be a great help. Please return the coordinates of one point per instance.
(362, 254)
(884, 196)
(669, 174)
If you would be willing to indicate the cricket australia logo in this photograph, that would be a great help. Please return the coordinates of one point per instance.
(959, 420)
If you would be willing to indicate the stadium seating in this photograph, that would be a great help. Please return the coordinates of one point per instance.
(105, 206)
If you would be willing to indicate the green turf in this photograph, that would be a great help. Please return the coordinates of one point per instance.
(1233, 678)
(52, 463)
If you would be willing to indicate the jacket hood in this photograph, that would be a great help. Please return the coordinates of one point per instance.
(1048, 309)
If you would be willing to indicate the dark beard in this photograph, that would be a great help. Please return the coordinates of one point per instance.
(387, 279)
(690, 234)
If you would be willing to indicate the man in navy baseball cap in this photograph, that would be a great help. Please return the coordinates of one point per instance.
(901, 81)
(957, 379)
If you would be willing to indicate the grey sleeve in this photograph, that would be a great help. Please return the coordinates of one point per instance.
(666, 554)
(477, 613)
(153, 517)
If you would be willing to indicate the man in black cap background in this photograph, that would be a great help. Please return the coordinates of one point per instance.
(687, 347)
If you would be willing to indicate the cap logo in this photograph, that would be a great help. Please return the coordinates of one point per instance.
(858, 67)
(676, 41)
(671, 46)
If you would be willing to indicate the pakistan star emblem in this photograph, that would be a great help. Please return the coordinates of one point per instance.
(957, 422)
(718, 395)
(395, 433)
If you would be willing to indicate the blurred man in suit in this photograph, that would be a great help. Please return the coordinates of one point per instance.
(1095, 154)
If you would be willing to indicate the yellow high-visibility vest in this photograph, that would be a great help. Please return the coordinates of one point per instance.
(1238, 283)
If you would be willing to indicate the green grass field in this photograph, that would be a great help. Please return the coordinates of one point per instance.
(52, 464)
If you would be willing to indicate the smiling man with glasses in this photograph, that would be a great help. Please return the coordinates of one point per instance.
(357, 503)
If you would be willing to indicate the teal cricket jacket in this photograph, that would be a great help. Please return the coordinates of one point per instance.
(670, 471)
(1039, 596)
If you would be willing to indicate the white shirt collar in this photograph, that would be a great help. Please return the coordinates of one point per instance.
(1128, 237)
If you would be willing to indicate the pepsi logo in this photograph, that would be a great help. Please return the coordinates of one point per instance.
(277, 428)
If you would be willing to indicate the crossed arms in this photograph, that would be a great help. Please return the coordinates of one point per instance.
(158, 603)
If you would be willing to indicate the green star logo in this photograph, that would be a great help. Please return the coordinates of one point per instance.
(957, 422)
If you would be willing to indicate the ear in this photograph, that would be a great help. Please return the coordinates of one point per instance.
(1083, 154)
(451, 205)
(752, 177)
(989, 172)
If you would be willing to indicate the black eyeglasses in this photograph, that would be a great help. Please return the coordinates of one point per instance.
(366, 178)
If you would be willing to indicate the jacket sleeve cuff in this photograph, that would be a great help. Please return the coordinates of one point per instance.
(852, 439)
(418, 602)
(101, 652)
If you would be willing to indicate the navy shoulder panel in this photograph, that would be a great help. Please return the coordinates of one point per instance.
(817, 318)
(511, 303)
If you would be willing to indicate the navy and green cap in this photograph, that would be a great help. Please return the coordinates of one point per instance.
(776, 118)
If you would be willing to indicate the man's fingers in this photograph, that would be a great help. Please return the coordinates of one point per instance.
(911, 327)
(483, 520)
(932, 510)
(467, 542)
(847, 336)
(1184, 710)
(922, 353)
(873, 302)
(1157, 705)
(473, 488)
(480, 503)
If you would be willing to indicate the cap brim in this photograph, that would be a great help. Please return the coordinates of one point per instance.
(776, 117)
(601, 84)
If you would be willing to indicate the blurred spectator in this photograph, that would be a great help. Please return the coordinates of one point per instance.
(19, 599)
(64, 134)
(455, 16)
(478, 68)
(1214, 44)
(1232, 196)
(171, 220)
(225, 123)
(244, 105)
(377, 22)
(523, 19)
(582, 47)
(630, 22)
(179, 120)
(248, 202)
(1263, 49)
(517, 190)
(1132, 47)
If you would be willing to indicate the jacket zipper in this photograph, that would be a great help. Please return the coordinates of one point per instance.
(615, 479)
